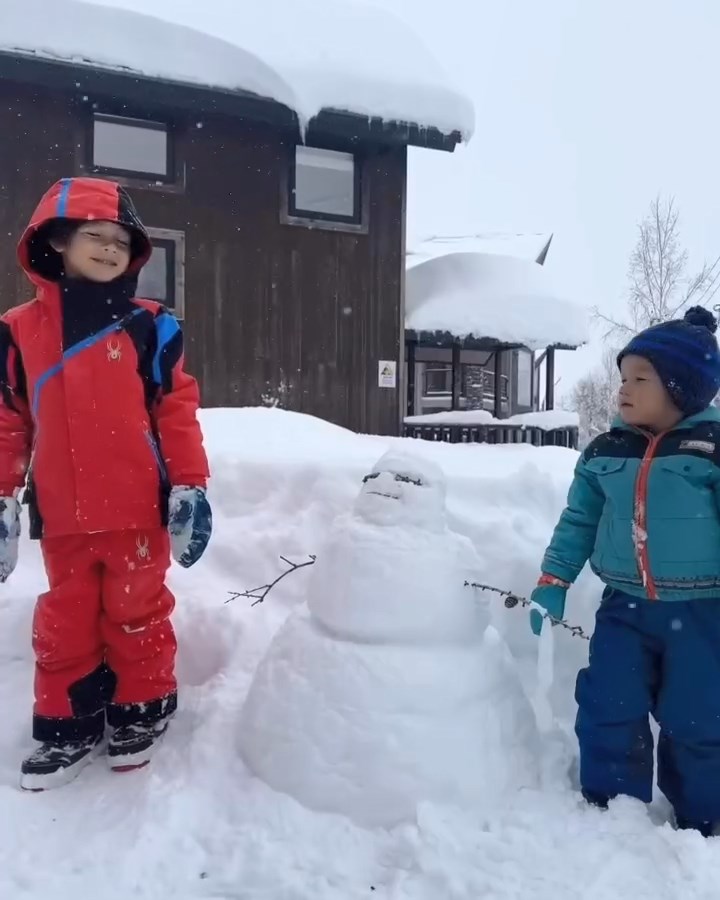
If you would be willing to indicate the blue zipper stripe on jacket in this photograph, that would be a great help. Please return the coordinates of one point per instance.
(73, 351)
(166, 327)
(62, 202)
(162, 468)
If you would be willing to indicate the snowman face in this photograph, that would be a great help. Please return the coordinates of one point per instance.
(400, 490)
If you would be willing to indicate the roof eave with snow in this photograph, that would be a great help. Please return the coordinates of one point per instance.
(446, 339)
(87, 77)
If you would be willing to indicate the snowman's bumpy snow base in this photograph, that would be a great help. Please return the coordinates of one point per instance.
(386, 690)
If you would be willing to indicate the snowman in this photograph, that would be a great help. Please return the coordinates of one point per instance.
(386, 689)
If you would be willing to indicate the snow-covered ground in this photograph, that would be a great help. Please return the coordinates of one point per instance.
(196, 824)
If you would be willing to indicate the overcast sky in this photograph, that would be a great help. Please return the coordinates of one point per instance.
(585, 110)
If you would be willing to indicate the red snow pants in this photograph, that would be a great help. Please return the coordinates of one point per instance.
(103, 641)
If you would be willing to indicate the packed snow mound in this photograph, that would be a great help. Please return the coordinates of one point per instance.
(485, 295)
(360, 591)
(310, 55)
(392, 571)
(381, 693)
(373, 731)
(235, 432)
(403, 490)
(197, 825)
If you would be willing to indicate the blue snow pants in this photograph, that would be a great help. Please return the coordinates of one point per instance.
(659, 658)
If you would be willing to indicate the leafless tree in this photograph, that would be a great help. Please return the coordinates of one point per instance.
(659, 285)
(594, 397)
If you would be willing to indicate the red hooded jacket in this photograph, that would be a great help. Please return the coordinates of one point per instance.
(93, 390)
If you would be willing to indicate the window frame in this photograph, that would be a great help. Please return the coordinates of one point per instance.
(170, 176)
(522, 352)
(433, 368)
(291, 214)
(174, 241)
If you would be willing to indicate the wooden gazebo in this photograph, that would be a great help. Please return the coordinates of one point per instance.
(497, 319)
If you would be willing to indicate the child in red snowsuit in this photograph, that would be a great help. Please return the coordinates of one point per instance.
(98, 418)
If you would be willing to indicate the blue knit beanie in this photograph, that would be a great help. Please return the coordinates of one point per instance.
(684, 353)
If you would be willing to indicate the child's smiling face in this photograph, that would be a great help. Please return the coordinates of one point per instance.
(96, 251)
(643, 400)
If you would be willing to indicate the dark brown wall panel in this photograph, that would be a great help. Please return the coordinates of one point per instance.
(272, 311)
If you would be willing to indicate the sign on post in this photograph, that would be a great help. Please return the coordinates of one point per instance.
(387, 373)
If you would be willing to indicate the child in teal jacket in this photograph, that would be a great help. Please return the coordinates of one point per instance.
(644, 509)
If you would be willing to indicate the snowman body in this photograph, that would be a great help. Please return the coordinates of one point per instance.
(386, 689)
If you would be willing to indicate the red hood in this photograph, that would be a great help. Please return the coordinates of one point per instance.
(79, 199)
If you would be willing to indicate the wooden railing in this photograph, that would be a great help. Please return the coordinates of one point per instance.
(496, 433)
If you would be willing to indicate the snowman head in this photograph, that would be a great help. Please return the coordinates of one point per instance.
(403, 489)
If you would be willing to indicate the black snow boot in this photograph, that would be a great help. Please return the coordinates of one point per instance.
(133, 746)
(595, 799)
(706, 829)
(54, 764)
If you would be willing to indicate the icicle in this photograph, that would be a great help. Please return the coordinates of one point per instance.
(544, 681)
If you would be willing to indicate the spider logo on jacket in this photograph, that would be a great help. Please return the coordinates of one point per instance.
(143, 547)
(114, 351)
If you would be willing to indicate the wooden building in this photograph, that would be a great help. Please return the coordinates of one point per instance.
(482, 329)
(281, 247)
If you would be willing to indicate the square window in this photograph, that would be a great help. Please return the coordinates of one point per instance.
(131, 147)
(325, 185)
(162, 278)
(157, 274)
(437, 379)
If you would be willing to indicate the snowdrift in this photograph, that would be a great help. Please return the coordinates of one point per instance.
(198, 825)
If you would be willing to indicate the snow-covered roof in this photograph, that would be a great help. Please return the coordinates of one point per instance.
(310, 55)
(522, 246)
(483, 295)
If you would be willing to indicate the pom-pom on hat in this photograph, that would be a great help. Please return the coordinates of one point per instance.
(698, 315)
(684, 352)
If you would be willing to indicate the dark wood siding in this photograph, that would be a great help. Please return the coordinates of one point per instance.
(273, 312)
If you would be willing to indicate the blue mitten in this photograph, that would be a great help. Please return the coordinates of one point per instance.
(550, 595)
(9, 536)
(189, 524)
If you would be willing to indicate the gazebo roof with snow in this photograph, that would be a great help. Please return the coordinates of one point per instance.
(489, 300)
(531, 246)
(341, 68)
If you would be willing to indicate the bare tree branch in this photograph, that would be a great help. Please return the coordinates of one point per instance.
(615, 328)
(258, 594)
(659, 287)
(594, 397)
(512, 600)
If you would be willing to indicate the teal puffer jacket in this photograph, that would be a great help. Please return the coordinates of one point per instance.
(645, 510)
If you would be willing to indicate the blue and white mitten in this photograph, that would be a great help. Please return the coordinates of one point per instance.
(189, 524)
(9, 536)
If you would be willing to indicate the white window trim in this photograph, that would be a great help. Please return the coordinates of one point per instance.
(178, 238)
